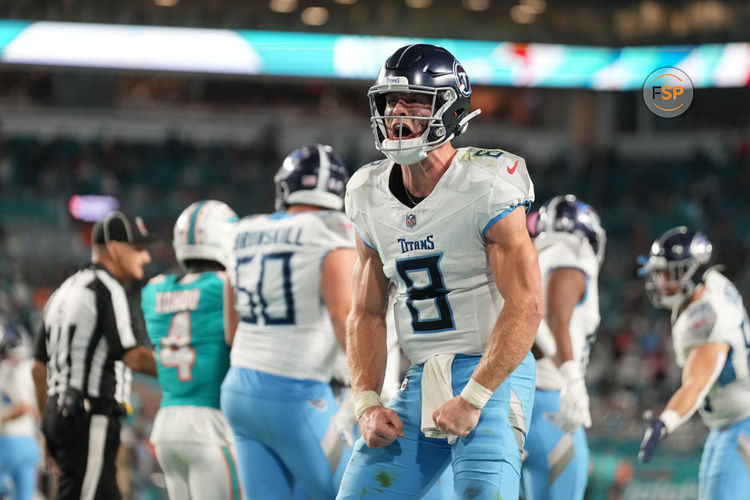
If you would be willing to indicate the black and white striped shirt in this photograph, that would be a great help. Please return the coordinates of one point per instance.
(88, 325)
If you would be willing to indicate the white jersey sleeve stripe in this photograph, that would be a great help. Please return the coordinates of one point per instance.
(365, 241)
(526, 204)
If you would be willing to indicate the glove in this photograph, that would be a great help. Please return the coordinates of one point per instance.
(574, 400)
(70, 405)
(655, 434)
(344, 419)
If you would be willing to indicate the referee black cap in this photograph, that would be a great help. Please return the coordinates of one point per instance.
(118, 226)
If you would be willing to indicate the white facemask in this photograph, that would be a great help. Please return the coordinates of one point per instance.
(411, 150)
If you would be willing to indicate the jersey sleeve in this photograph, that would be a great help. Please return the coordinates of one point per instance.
(703, 326)
(337, 230)
(510, 188)
(566, 251)
(355, 204)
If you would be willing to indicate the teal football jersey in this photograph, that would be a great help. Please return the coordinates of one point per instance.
(185, 320)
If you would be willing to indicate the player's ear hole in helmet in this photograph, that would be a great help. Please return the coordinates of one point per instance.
(312, 175)
(675, 266)
(427, 70)
(203, 232)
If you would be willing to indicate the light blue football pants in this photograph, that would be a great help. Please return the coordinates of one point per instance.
(18, 456)
(486, 463)
(557, 467)
(725, 463)
(283, 435)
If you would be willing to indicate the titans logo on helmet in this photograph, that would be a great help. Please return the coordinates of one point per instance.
(462, 79)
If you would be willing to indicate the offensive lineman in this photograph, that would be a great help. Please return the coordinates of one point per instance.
(711, 335)
(447, 228)
(570, 241)
(291, 276)
(185, 320)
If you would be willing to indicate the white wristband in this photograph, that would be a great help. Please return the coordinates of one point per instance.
(671, 419)
(476, 394)
(364, 400)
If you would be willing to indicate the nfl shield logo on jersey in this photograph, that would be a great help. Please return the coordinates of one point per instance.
(411, 220)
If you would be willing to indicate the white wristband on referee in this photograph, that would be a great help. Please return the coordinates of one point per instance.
(364, 400)
(476, 394)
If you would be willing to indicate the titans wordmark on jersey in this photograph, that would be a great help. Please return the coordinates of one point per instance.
(718, 316)
(446, 300)
(563, 250)
(276, 271)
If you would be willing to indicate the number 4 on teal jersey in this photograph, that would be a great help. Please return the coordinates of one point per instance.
(176, 351)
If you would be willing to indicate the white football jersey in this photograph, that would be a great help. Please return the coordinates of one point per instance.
(435, 254)
(563, 250)
(16, 387)
(718, 316)
(275, 268)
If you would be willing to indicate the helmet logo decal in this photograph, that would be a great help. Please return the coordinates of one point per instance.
(309, 180)
(411, 220)
(462, 79)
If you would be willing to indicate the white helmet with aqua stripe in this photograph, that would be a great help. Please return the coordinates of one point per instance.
(203, 232)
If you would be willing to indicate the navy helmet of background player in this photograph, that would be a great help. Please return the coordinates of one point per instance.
(11, 342)
(568, 214)
(427, 70)
(312, 175)
(675, 266)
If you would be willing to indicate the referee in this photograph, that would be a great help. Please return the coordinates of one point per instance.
(90, 340)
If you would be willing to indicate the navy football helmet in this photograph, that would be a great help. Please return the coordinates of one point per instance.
(312, 175)
(433, 72)
(568, 214)
(675, 266)
(11, 341)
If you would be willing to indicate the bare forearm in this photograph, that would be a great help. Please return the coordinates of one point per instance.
(511, 339)
(148, 364)
(141, 359)
(231, 317)
(564, 353)
(366, 352)
(339, 330)
(686, 400)
(702, 368)
(18, 410)
(39, 374)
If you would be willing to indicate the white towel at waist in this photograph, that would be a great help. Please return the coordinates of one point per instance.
(437, 388)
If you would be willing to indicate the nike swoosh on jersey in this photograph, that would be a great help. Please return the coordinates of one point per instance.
(512, 170)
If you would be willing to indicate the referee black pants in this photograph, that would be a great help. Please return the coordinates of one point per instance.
(85, 449)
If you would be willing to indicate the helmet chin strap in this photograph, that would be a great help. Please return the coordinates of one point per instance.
(463, 124)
